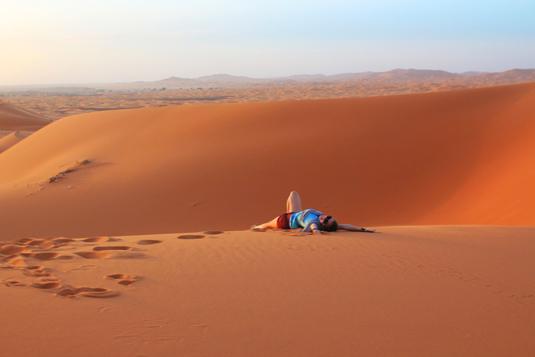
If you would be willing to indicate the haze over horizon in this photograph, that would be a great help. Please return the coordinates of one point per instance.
(67, 42)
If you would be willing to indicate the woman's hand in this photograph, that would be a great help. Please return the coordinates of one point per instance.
(352, 228)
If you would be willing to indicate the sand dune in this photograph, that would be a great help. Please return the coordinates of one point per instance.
(55, 103)
(73, 283)
(461, 157)
(16, 124)
(406, 291)
(13, 118)
(11, 139)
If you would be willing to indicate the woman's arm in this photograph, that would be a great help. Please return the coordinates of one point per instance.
(312, 228)
(352, 228)
(315, 229)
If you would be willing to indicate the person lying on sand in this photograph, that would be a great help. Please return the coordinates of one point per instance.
(310, 220)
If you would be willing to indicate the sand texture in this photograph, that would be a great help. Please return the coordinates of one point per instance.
(57, 102)
(461, 157)
(124, 233)
(14, 118)
(16, 124)
(405, 291)
(8, 140)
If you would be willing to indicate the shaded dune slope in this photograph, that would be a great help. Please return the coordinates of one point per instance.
(461, 157)
(13, 118)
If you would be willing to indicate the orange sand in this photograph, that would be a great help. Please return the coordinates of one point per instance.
(11, 139)
(406, 291)
(16, 124)
(462, 157)
(54, 103)
(68, 288)
(13, 118)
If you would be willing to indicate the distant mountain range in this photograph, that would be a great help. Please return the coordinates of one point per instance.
(374, 79)
(395, 76)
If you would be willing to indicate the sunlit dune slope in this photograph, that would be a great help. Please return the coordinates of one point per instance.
(462, 157)
(11, 139)
(13, 118)
(404, 292)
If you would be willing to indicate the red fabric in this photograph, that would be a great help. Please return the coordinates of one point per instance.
(283, 222)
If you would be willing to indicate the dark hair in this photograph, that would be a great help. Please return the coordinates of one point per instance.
(331, 227)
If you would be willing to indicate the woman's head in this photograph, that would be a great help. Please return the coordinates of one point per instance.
(328, 223)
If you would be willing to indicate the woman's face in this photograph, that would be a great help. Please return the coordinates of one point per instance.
(326, 220)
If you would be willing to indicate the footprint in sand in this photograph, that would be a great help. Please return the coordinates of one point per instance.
(98, 292)
(49, 245)
(124, 279)
(112, 247)
(24, 240)
(15, 262)
(35, 242)
(213, 233)
(11, 249)
(96, 239)
(36, 270)
(62, 240)
(45, 255)
(93, 255)
(12, 283)
(65, 257)
(56, 243)
(46, 284)
(191, 236)
(69, 291)
(148, 241)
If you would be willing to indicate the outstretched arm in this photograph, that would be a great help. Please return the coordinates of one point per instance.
(352, 228)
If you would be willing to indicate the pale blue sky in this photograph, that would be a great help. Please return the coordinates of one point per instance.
(60, 41)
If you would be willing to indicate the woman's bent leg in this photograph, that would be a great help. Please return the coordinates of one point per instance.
(293, 203)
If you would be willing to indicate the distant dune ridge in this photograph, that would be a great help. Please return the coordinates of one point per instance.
(16, 124)
(13, 118)
(222, 80)
(460, 157)
(57, 101)
(11, 139)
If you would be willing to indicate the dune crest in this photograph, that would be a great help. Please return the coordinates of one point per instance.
(460, 157)
(16, 124)
(13, 118)
(11, 139)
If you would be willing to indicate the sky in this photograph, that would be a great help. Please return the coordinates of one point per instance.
(72, 41)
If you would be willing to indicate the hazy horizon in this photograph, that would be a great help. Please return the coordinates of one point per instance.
(65, 42)
(66, 84)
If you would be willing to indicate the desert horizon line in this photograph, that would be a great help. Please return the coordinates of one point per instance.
(265, 78)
